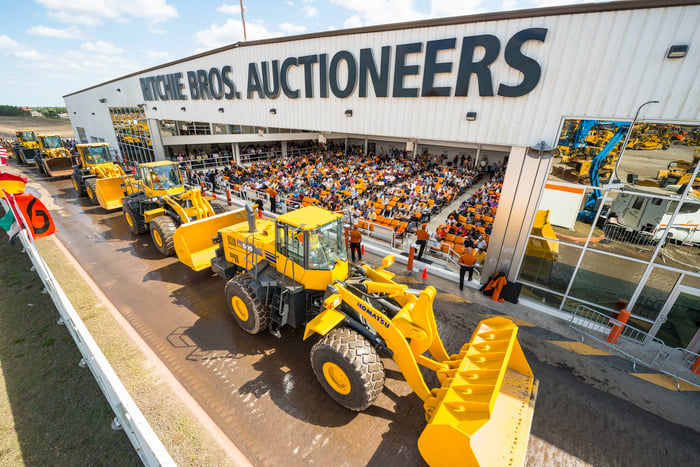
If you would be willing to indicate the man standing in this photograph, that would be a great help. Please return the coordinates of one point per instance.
(355, 243)
(423, 237)
(273, 197)
(466, 263)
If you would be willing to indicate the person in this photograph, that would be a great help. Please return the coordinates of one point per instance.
(466, 263)
(423, 237)
(273, 197)
(480, 258)
(355, 243)
(441, 233)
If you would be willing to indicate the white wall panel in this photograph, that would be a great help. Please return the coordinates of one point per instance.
(599, 64)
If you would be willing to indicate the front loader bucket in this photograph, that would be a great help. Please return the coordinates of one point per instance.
(59, 166)
(482, 413)
(110, 192)
(193, 240)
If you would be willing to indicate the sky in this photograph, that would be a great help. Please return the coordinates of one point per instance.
(50, 48)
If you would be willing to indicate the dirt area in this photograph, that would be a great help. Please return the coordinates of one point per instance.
(41, 125)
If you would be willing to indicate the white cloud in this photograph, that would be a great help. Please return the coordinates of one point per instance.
(155, 55)
(101, 47)
(7, 43)
(91, 12)
(230, 32)
(229, 9)
(310, 11)
(332, 28)
(509, 5)
(288, 2)
(17, 50)
(443, 8)
(71, 32)
(353, 22)
(290, 28)
(380, 11)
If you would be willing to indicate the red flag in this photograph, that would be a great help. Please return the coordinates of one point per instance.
(12, 184)
(36, 215)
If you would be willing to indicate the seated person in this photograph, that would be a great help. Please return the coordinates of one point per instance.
(441, 233)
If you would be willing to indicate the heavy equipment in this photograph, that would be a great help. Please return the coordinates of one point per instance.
(26, 147)
(53, 159)
(156, 200)
(98, 176)
(294, 271)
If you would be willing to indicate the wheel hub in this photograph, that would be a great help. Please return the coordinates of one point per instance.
(336, 378)
(239, 308)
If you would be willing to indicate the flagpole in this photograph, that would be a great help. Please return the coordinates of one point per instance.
(245, 38)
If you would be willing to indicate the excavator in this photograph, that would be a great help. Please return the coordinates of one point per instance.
(294, 271)
(98, 176)
(26, 147)
(53, 159)
(156, 200)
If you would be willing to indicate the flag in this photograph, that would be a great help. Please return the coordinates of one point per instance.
(12, 184)
(36, 217)
(3, 156)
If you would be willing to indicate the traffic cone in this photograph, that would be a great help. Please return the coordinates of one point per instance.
(363, 250)
(425, 274)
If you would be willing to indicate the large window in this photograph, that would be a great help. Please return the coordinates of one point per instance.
(133, 134)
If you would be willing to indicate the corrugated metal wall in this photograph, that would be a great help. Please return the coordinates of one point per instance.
(594, 64)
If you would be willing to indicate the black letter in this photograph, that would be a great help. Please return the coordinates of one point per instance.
(291, 93)
(323, 74)
(203, 84)
(352, 74)
(254, 81)
(192, 79)
(530, 68)
(492, 46)
(432, 68)
(401, 69)
(228, 82)
(180, 86)
(215, 77)
(380, 80)
(160, 88)
(144, 90)
(308, 61)
(274, 92)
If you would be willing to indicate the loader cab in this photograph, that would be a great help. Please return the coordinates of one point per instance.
(314, 240)
(160, 178)
(51, 142)
(94, 154)
(27, 136)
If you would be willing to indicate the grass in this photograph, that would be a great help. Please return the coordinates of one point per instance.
(52, 412)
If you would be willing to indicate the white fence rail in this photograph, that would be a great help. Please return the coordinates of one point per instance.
(127, 414)
(637, 345)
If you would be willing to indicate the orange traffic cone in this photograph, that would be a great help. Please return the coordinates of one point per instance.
(363, 250)
(425, 274)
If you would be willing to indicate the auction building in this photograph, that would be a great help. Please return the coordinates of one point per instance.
(595, 108)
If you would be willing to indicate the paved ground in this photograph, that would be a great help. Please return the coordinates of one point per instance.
(261, 392)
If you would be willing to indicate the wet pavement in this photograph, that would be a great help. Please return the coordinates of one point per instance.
(262, 393)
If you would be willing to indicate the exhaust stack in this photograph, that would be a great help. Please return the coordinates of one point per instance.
(251, 219)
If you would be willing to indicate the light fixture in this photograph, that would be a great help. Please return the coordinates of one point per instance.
(221, 109)
(119, 90)
(93, 113)
(103, 100)
(471, 116)
(541, 151)
(677, 51)
(273, 111)
(141, 106)
(75, 113)
(348, 113)
(154, 108)
(183, 108)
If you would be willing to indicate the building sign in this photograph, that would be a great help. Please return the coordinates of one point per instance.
(363, 74)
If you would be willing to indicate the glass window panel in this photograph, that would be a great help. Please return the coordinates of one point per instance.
(548, 264)
(546, 298)
(570, 211)
(682, 247)
(570, 305)
(691, 281)
(683, 321)
(220, 129)
(655, 293)
(604, 279)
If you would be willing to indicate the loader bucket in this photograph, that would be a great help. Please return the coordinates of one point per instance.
(193, 240)
(59, 166)
(482, 413)
(110, 192)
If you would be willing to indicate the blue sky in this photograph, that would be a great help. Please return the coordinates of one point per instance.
(50, 48)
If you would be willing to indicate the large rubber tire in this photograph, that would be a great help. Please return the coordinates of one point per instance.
(136, 224)
(247, 309)
(163, 234)
(91, 190)
(348, 368)
(76, 185)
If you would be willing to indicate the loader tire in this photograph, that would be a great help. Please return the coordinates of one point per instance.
(348, 368)
(135, 223)
(76, 185)
(247, 309)
(91, 190)
(163, 234)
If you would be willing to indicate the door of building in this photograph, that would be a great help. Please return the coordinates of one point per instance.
(679, 320)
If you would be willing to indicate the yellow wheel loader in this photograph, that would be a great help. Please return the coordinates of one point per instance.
(97, 176)
(156, 201)
(26, 147)
(294, 271)
(53, 159)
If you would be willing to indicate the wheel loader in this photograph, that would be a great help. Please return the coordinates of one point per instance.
(294, 271)
(53, 159)
(26, 147)
(97, 176)
(156, 201)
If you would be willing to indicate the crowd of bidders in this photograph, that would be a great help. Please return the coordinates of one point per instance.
(394, 190)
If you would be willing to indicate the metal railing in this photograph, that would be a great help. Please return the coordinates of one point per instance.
(636, 345)
(127, 415)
